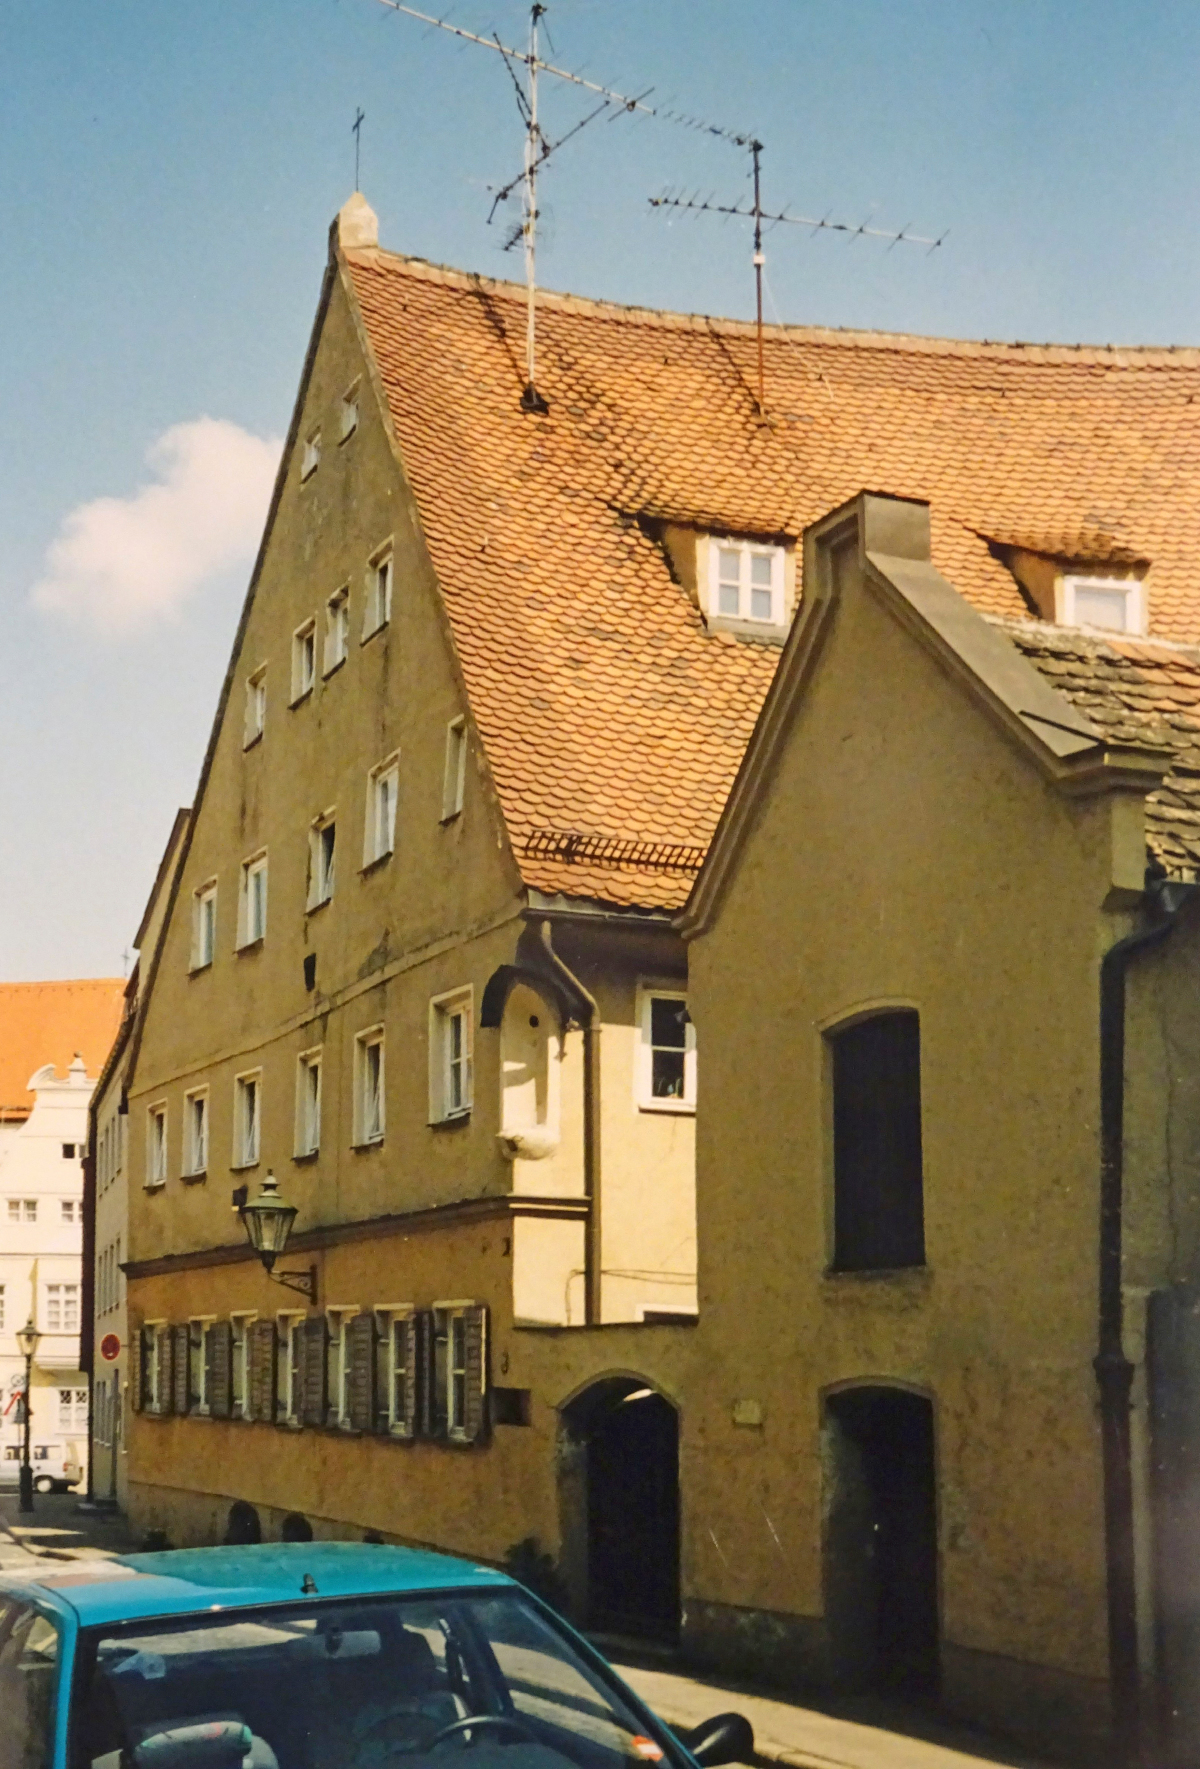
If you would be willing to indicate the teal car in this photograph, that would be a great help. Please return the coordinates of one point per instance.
(313, 1655)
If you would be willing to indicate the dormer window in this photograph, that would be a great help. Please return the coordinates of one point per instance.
(746, 582)
(1117, 604)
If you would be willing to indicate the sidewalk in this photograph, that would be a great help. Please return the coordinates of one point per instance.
(59, 1530)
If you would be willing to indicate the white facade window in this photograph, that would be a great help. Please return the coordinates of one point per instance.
(247, 1119)
(204, 925)
(337, 1366)
(454, 775)
(304, 660)
(322, 839)
(1115, 605)
(451, 1078)
(1, 1308)
(369, 1115)
(195, 1132)
(239, 1364)
(252, 901)
(308, 1103)
(337, 629)
(72, 1210)
(290, 1368)
(457, 1324)
(256, 707)
(349, 411)
(72, 1409)
(62, 1308)
(665, 1069)
(383, 785)
(310, 460)
(395, 1350)
(746, 582)
(378, 610)
(156, 1146)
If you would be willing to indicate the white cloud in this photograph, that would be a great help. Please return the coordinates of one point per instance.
(122, 563)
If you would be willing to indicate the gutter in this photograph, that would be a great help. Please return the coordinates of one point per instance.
(1114, 1372)
(592, 1246)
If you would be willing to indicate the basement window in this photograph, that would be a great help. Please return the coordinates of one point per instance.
(1116, 605)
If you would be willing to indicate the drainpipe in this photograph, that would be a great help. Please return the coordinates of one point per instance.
(591, 1130)
(1114, 1372)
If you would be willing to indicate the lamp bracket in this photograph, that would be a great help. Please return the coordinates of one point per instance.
(305, 1282)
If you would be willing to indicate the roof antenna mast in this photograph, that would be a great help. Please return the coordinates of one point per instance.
(531, 399)
(356, 130)
(756, 148)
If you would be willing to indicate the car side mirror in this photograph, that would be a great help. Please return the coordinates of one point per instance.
(726, 1738)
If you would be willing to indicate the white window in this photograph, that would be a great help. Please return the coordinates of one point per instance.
(454, 775)
(72, 1409)
(1, 1308)
(369, 1117)
(396, 1350)
(337, 1366)
(204, 924)
(62, 1308)
(337, 629)
(458, 1324)
(239, 1364)
(289, 1373)
(382, 787)
(247, 1119)
(1114, 604)
(72, 1210)
(152, 1336)
(665, 1070)
(256, 707)
(195, 1132)
(450, 1056)
(308, 1103)
(304, 660)
(310, 460)
(322, 838)
(252, 901)
(349, 412)
(378, 610)
(156, 1146)
(746, 582)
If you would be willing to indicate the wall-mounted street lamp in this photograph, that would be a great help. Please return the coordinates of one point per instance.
(268, 1223)
(27, 1338)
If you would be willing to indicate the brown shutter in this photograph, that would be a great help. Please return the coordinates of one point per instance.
(163, 1350)
(475, 1411)
(218, 1353)
(413, 1366)
(135, 1377)
(181, 1397)
(423, 1372)
(360, 1385)
(383, 1377)
(437, 1362)
(261, 1399)
(312, 1395)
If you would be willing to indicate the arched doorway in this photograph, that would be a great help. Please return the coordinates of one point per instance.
(621, 1508)
(881, 1567)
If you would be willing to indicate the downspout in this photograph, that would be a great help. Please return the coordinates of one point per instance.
(592, 1246)
(1114, 1372)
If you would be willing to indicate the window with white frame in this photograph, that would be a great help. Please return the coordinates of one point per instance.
(204, 924)
(72, 1409)
(1114, 604)
(256, 707)
(197, 1366)
(665, 1070)
(746, 582)
(308, 1102)
(349, 411)
(1, 1308)
(247, 1119)
(378, 610)
(195, 1131)
(62, 1308)
(379, 834)
(451, 1079)
(460, 1361)
(304, 660)
(397, 1350)
(72, 1210)
(310, 459)
(252, 901)
(322, 840)
(239, 1364)
(337, 1366)
(337, 629)
(153, 1334)
(156, 1145)
(289, 1369)
(454, 774)
(369, 1116)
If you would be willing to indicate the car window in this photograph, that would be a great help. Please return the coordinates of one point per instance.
(28, 1678)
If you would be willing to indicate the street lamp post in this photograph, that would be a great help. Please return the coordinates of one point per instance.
(268, 1223)
(27, 1344)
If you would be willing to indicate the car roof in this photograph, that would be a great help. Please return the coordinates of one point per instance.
(185, 1581)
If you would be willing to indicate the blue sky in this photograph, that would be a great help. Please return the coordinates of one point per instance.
(167, 176)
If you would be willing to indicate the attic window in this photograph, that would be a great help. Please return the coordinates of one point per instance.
(1115, 604)
(745, 582)
(311, 458)
(349, 412)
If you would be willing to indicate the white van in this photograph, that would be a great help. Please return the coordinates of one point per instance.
(57, 1466)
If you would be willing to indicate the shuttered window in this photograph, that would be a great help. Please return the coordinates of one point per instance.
(289, 1371)
(218, 1344)
(261, 1364)
(312, 1334)
(879, 1213)
(360, 1350)
(398, 1381)
(181, 1367)
(459, 1370)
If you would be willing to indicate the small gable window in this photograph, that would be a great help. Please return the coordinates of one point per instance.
(349, 412)
(378, 610)
(746, 582)
(1115, 604)
(311, 458)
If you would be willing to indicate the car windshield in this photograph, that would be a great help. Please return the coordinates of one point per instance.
(352, 1684)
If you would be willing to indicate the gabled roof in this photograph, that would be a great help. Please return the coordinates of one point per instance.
(49, 1023)
(613, 722)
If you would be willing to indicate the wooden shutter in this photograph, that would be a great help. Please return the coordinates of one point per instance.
(360, 1381)
(475, 1410)
(182, 1395)
(136, 1378)
(164, 1347)
(261, 1399)
(425, 1371)
(218, 1354)
(415, 1383)
(383, 1377)
(313, 1346)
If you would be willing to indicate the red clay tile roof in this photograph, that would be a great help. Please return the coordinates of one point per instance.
(606, 710)
(49, 1022)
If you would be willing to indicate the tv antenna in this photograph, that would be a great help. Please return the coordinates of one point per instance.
(538, 149)
(695, 205)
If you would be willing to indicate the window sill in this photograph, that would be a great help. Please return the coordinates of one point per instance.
(250, 946)
(674, 1108)
(450, 816)
(306, 1157)
(249, 742)
(364, 1148)
(245, 1166)
(903, 1277)
(367, 637)
(198, 970)
(763, 632)
(332, 669)
(451, 1120)
(372, 865)
(304, 694)
(195, 1178)
(311, 908)
(154, 1185)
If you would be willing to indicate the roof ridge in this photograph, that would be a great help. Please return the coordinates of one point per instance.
(847, 337)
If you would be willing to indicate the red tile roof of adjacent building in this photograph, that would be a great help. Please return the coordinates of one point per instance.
(613, 721)
(50, 1023)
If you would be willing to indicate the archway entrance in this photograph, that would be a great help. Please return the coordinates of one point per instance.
(622, 1508)
(881, 1571)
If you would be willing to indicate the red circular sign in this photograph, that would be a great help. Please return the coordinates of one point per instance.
(110, 1347)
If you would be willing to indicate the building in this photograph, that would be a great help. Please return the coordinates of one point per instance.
(424, 960)
(49, 1034)
(104, 1344)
